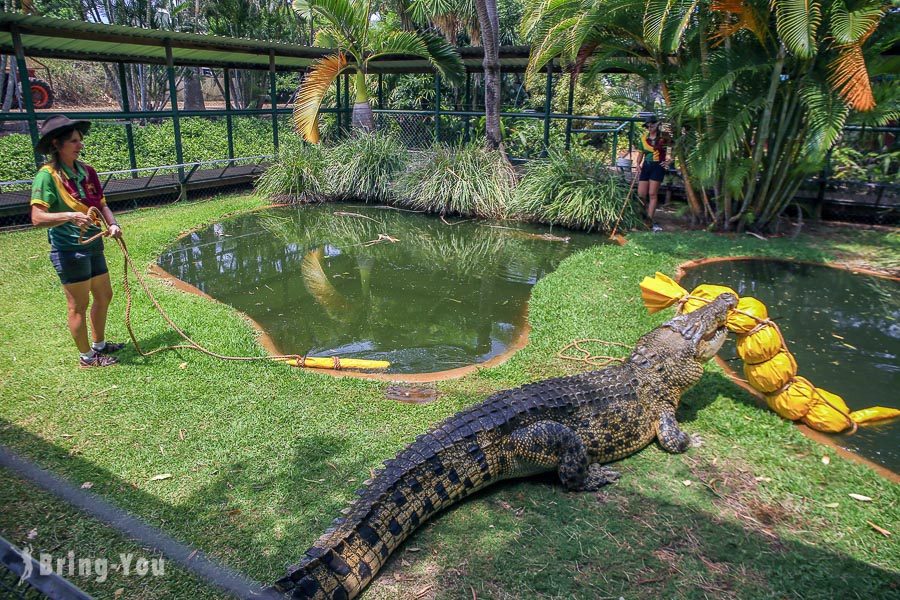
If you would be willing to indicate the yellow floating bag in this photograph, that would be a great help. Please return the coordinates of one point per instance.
(759, 346)
(794, 401)
(773, 374)
(660, 292)
(829, 413)
(747, 315)
(874, 413)
(707, 292)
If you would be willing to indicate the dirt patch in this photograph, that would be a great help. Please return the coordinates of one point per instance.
(414, 574)
(736, 497)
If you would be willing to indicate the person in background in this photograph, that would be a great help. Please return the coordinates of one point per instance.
(63, 191)
(653, 166)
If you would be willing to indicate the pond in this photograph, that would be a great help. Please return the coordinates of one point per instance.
(370, 282)
(843, 329)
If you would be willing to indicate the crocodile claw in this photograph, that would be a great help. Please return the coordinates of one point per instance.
(598, 476)
(696, 441)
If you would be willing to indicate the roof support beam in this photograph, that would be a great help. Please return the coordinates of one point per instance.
(173, 98)
(22, 69)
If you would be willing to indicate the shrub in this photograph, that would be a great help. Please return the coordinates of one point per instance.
(365, 165)
(570, 190)
(298, 174)
(467, 181)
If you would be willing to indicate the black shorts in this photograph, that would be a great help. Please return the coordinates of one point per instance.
(652, 170)
(74, 266)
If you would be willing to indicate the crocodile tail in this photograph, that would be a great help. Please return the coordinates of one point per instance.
(438, 469)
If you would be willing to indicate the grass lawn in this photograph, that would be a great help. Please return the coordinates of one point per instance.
(263, 456)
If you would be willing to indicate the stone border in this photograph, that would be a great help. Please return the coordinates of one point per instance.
(809, 432)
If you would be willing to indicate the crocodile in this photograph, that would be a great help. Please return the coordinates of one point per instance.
(571, 424)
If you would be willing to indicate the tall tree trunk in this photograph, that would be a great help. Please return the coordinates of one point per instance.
(193, 92)
(11, 88)
(762, 134)
(488, 22)
(361, 117)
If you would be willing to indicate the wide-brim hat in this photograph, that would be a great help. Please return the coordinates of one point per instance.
(650, 121)
(57, 126)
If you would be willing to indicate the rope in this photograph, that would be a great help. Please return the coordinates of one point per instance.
(596, 360)
(98, 218)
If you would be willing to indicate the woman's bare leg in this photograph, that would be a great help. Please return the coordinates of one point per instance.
(101, 290)
(78, 296)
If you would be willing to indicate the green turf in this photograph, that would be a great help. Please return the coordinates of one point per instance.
(263, 457)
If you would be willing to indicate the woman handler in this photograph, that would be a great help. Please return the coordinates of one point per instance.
(653, 166)
(63, 191)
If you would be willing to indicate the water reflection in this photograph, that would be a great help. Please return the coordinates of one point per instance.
(367, 282)
(844, 330)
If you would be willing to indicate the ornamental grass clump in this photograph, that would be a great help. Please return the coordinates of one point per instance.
(573, 191)
(297, 175)
(464, 181)
(364, 166)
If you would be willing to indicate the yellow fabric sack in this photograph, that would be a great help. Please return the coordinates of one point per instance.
(795, 401)
(829, 413)
(739, 322)
(874, 413)
(760, 346)
(773, 374)
(708, 292)
(660, 292)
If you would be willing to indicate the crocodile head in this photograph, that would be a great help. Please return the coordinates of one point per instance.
(670, 358)
(704, 329)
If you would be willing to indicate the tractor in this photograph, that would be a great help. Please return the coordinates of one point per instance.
(41, 90)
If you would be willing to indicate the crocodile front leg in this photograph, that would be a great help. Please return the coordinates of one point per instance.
(670, 435)
(547, 444)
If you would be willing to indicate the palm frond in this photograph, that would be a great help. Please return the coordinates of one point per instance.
(344, 17)
(848, 75)
(826, 115)
(746, 17)
(312, 91)
(852, 26)
(797, 22)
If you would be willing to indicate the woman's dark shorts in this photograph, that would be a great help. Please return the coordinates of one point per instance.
(74, 266)
(652, 170)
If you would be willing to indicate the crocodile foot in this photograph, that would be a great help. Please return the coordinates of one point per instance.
(598, 476)
(696, 441)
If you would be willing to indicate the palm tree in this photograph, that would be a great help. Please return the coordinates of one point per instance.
(481, 21)
(758, 89)
(346, 26)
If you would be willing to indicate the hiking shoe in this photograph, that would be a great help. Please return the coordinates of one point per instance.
(655, 228)
(110, 347)
(97, 360)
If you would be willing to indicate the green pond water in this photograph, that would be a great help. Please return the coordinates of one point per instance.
(843, 329)
(374, 283)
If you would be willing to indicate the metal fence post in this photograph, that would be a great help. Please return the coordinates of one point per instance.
(26, 94)
(273, 100)
(569, 107)
(548, 105)
(437, 106)
(226, 75)
(380, 92)
(466, 105)
(126, 107)
(337, 104)
(173, 98)
(348, 117)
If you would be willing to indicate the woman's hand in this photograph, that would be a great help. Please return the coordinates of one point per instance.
(115, 231)
(80, 219)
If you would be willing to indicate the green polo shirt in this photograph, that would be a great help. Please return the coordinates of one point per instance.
(63, 236)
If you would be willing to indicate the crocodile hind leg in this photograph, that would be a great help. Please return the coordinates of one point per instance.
(547, 444)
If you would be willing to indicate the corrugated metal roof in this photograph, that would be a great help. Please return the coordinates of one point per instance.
(78, 40)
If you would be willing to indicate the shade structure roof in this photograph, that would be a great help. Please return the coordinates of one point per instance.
(77, 40)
